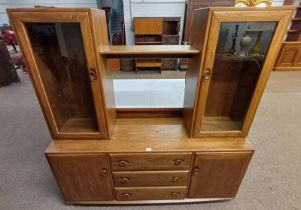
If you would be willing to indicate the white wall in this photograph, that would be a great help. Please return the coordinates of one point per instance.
(3, 16)
(31, 3)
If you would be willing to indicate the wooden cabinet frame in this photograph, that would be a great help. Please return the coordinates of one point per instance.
(150, 141)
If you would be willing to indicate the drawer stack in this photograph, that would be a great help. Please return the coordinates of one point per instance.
(150, 176)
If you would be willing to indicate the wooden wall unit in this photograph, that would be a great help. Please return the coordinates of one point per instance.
(191, 5)
(151, 155)
(289, 57)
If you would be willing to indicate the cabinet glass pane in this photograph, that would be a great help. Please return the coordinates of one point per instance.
(238, 62)
(59, 54)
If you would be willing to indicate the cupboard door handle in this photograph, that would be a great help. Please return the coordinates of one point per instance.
(126, 195)
(178, 162)
(123, 163)
(104, 172)
(196, 170)
(124, 180)
(207, 75)
(174, 194)
(92, 75)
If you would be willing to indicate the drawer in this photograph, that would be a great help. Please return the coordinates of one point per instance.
(150, 161)
(150, 178)
(150, 193)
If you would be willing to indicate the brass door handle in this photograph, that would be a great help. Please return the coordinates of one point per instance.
(92, 75)
(207, 75)
(196, 170)
(104, 172)
(123, 163)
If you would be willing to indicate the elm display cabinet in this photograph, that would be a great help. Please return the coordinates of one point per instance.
(108, 156)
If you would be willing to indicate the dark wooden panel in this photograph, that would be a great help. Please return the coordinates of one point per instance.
(218, 174)
(82, 177)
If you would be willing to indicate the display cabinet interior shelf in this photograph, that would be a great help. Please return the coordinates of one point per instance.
(103, 155)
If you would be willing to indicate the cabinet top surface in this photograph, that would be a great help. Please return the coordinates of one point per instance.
(149, 135)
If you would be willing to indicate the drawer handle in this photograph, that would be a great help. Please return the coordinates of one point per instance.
(104, 172)
(176, 179)
(126, 195)
(123, 163)
(196, 170)
(178, 162)
(174, 194)
(124, 180)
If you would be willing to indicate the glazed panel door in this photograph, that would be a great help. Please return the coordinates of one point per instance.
(58, 48)
(239, 57)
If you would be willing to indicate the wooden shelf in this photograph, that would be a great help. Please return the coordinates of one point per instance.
(148, 43)
(134, 51)
(296, 19)
(143, 64)
(293, 30)
(220, 124)
(80, 125)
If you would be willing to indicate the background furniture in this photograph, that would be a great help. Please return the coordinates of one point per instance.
(132, 156)
(171, 29)
(8, 73)
(191, 5)
(161, 31)
(289, 57)
(148, 31)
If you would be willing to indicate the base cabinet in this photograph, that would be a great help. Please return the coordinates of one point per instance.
(218, 174)
(82, 177)
(156, 177)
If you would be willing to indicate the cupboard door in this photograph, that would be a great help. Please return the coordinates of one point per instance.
(289, 56)
(238, 61)
(58, 48)
(218, 174)
(82, 177)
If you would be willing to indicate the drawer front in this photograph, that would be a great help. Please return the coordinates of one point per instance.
(150, 178)
(150, 161)
(150, 193)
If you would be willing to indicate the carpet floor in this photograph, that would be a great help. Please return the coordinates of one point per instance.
(273, 180)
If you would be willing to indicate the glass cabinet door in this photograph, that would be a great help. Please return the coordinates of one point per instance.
(239, 57)
(61, 60)
(58, 47)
